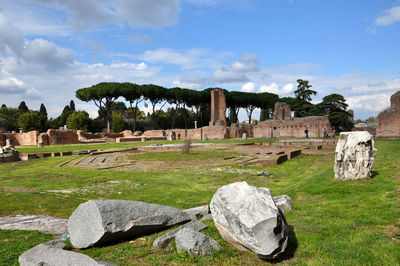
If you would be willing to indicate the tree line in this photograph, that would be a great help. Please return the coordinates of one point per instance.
(184, 107)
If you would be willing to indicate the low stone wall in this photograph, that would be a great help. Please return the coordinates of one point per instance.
(294, 127)
(215, 132)
(62, 136)
(28, 138)
(154, 133)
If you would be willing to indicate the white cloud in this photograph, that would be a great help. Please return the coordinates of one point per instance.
(248, 87)
(192, 58)
(47, 54)
(137, 13)
(389, 16)
(237, 70)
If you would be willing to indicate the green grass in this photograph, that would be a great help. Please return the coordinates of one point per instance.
(334, 222)
(178, 156)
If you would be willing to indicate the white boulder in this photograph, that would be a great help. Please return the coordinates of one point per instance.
(354, 155)
(248, 218)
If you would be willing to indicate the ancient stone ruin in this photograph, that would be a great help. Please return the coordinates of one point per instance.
(284, 125)
(248, 218)
(354, 155)
(389, 120)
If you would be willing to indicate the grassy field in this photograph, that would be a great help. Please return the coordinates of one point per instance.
(334, 222)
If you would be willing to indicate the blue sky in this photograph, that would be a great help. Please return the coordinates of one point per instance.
(51, 48)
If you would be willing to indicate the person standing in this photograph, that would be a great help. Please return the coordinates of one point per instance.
(306, 132)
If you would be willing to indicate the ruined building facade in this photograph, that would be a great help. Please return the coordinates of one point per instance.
(389, 120)
(283, 125)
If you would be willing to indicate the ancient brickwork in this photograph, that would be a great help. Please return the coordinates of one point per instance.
(282, 111)
(218, 108)
(28, 138)
(154, 133)
(284, 126)
(389, 120)
(62, 136)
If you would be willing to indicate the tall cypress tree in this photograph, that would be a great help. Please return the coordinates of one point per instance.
(43, 110)
(72, 106)
(23, 107)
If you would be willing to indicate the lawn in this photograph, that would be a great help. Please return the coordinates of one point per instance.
(333, 222)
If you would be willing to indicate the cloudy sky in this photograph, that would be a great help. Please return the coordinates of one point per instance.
(51, 48)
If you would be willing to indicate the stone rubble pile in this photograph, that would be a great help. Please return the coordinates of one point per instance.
(245, 216)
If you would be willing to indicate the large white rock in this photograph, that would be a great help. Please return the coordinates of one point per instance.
(100, 221)
(248, 218)
(354, 155)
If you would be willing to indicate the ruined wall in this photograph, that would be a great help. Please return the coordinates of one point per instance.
(154, 133)
(194, 133)
(389, 120)
(237, 130)
(218, 107)
(215, 132)
(62, 136)
(28, 138)
(293, 127)
(282, 111)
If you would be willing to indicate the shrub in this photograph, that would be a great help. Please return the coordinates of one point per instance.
(32, 121)
(79, 120)
(117, 123)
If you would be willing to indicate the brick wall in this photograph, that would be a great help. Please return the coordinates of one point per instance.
(293, 128)
(389, 120)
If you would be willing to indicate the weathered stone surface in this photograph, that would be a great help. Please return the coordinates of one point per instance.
(354, 155)
(52, 254)
(164, 240)
(198, 212)
(41, 223)
(100, 221)
(248, 218)
(195, 243)
(207, 217)
(284, 202)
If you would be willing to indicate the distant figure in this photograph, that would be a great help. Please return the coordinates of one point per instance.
(306, 132)
(325, 135)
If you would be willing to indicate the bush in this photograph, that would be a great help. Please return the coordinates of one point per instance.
(32, 121)
(78, 120)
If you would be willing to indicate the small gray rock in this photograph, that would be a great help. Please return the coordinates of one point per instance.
(195, 243)
(164, 240)
(284, 202)
(197, 212)
(52, 254)
(101, 221)
(207, 217)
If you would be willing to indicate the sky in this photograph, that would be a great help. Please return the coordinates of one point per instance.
(51, 48)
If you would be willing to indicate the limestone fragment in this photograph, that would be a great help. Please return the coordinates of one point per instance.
(164, 240)
(101, 221)
(354, 155)
(248, 218)
(51, 253)
(195, 243)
